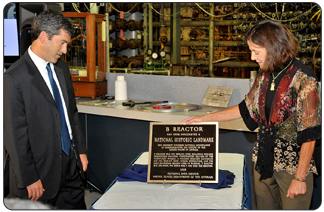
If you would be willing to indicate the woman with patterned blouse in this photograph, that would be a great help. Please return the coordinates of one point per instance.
(284, 103)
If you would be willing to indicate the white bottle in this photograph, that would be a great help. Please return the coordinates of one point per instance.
(120, 89)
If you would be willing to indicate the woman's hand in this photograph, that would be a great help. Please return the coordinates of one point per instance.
(194, 119)
(296, 188)
(227, 114)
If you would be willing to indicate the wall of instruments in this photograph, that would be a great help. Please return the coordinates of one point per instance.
(199, 39)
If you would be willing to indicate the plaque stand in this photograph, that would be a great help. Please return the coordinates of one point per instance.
(167, 185)
(198, 184)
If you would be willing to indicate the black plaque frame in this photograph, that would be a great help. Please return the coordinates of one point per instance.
(181, 153)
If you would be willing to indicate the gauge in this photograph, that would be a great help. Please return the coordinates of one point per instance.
(154, 55)
(162, 53)
(149, 62)
(149, 51)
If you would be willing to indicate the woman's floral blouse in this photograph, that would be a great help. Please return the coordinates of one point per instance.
(295, 118)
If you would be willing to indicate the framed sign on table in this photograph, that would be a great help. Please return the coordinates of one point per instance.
(181, 153)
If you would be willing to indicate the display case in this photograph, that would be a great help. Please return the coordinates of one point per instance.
(86, 54)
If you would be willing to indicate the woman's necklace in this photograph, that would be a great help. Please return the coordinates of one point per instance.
(272, 88)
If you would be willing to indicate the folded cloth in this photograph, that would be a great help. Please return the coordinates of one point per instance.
(134, 172)
(138, 172)
(225, 179)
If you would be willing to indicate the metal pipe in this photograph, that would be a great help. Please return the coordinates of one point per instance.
(175, 31)
(233, 64)
(205, 43)
(150, 29)
(168, 5)
(130, 65)
(211, 40)
(237, 64)
(161, 19)
(201, 23)
(121, 69)
(150, 72)
(145, 32)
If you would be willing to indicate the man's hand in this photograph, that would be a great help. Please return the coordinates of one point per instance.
(84, 161)
(35, 190)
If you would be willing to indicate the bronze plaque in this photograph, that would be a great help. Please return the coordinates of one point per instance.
(181, 153)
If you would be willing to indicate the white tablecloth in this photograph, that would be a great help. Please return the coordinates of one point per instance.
(139, 195)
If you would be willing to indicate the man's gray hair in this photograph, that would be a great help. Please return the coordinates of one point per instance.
(51, 22)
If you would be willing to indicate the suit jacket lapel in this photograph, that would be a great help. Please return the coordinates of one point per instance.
(38, 80)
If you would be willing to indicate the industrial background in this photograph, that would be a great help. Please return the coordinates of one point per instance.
(195, 39)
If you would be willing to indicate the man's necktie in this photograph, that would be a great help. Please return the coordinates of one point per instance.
(65, 137)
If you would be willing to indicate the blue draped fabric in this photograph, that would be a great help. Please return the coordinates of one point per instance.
(138, 172)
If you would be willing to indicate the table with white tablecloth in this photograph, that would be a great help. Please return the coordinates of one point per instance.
(142, 195)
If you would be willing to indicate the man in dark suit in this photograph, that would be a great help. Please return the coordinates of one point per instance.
(42, 136)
